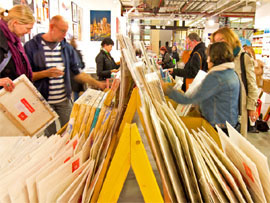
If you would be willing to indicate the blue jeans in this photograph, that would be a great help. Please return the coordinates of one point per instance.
(63, 109)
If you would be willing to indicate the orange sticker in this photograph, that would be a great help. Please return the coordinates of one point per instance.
(75, 144)
(75, 165)
(248, 172)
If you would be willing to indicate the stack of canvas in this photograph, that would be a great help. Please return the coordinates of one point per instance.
(191, 166)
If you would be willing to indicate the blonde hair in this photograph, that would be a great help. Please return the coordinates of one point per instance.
(23, 14)
(229, 36)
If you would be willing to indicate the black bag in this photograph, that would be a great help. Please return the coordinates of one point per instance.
(262, 125)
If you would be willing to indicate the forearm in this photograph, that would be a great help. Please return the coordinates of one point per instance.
(39, 75)
(85, 78)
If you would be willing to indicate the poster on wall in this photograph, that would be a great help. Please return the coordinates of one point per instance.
(74, 12)
(29, 3)
(42, 11)
(65, 9)
(100, 25)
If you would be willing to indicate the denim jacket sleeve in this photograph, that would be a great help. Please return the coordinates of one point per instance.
(209, 87)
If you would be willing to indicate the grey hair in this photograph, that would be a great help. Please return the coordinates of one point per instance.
(194, 36)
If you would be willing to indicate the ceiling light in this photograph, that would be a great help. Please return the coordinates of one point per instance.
(169, 22)
(211, 22)
(258, 3)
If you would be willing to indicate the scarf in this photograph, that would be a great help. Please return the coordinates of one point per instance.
(107, 53)
(236, 50)
(17, 51)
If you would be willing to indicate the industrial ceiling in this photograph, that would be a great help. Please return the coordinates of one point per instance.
(193, 11)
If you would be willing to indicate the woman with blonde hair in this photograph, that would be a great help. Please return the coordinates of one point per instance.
(14, 23)
(249, 94)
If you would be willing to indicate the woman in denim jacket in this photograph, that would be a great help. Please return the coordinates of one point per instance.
(218, 94)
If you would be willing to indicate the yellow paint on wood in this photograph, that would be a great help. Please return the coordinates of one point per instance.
(130, 111)
(118, 169)
(142, 168)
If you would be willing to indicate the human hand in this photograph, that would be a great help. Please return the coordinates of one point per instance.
(253, 115)
(54, 72)
(114, 70)
(170, 70)
(7, 84)
(101, 85)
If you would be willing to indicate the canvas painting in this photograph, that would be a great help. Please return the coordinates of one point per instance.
(100, 25)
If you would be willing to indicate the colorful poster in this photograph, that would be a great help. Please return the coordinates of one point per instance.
(29, 3)
(100, 25)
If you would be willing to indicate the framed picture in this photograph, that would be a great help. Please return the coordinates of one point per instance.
(100, 25)
(74, 12)
(42, 11)
(75, 30)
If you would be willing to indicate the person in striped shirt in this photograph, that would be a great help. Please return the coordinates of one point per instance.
(52, 60)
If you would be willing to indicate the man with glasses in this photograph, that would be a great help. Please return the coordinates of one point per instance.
(52, 59)
(197, 60)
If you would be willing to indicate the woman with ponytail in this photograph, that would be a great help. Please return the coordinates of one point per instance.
(14, 23)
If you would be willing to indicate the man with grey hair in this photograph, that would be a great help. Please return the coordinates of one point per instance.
(197, 60)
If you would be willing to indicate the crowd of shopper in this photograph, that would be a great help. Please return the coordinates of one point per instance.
(55, 67)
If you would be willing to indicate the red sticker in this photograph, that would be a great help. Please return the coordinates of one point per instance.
(27, 105)
(75, 144)
(248, 172)
(67, 159)
(75, 165)
(22, 116)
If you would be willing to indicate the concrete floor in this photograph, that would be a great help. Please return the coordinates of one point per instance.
(131, 191)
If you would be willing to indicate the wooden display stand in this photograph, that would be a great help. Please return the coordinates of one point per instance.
(130, 152)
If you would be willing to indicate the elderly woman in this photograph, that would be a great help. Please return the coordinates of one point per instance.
(218, 94)
(14, 23)
(105, 62)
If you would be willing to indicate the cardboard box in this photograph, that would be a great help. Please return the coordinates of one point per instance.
(266, 85)
(198, 122)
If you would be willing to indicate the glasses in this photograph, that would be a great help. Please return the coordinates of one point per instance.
(64, 31)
